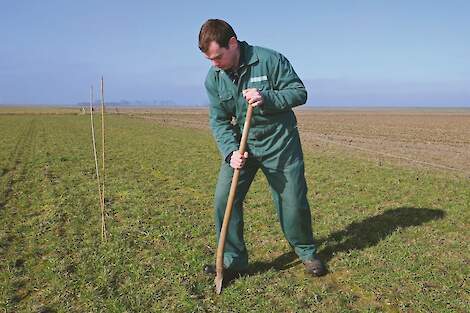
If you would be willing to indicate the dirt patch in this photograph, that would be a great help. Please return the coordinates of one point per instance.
(434, 138)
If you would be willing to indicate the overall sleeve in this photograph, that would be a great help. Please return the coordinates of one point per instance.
(223, 131)
(287, 92)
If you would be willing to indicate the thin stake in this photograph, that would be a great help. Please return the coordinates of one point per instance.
(95, 154)
(103, 224)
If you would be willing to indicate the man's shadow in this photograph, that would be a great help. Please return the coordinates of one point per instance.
(357, 236)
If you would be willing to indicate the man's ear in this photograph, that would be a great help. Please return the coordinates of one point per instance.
(233, 42)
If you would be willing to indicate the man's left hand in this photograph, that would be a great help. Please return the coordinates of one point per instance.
(253, 96)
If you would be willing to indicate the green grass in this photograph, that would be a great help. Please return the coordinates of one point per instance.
(395, 239)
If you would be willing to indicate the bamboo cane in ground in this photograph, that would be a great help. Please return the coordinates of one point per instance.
(95, 155)
(103, 224)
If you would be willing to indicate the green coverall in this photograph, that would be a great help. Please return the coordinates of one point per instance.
(273, 146)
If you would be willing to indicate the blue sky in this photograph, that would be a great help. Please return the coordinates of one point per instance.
(359, 53)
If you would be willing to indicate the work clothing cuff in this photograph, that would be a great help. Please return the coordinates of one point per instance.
(228, 157)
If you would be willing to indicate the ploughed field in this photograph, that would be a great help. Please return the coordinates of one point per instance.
(436, 138)
(389, 192)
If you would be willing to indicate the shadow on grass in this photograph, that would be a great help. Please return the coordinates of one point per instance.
(357, 235)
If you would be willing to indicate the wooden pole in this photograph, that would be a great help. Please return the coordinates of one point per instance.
(95, 154)
(219, 263)
(103, 224)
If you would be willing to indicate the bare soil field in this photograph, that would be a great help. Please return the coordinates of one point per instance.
(435, 138)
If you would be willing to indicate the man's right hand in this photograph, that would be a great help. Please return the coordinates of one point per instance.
(237, 161)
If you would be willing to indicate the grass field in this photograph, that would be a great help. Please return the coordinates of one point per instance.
(395, 237)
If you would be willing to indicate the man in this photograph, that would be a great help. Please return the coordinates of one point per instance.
(244, 75)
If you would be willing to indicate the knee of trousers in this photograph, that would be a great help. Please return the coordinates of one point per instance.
(297, 227)
(220, 204)
(221, 197)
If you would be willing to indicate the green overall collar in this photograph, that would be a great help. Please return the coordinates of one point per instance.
(247, 55)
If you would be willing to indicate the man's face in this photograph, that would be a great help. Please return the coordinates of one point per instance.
(224, 58)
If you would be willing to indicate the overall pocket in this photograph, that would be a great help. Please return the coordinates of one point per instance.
(227, 102)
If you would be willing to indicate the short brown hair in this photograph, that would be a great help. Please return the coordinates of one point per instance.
(215, 30)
